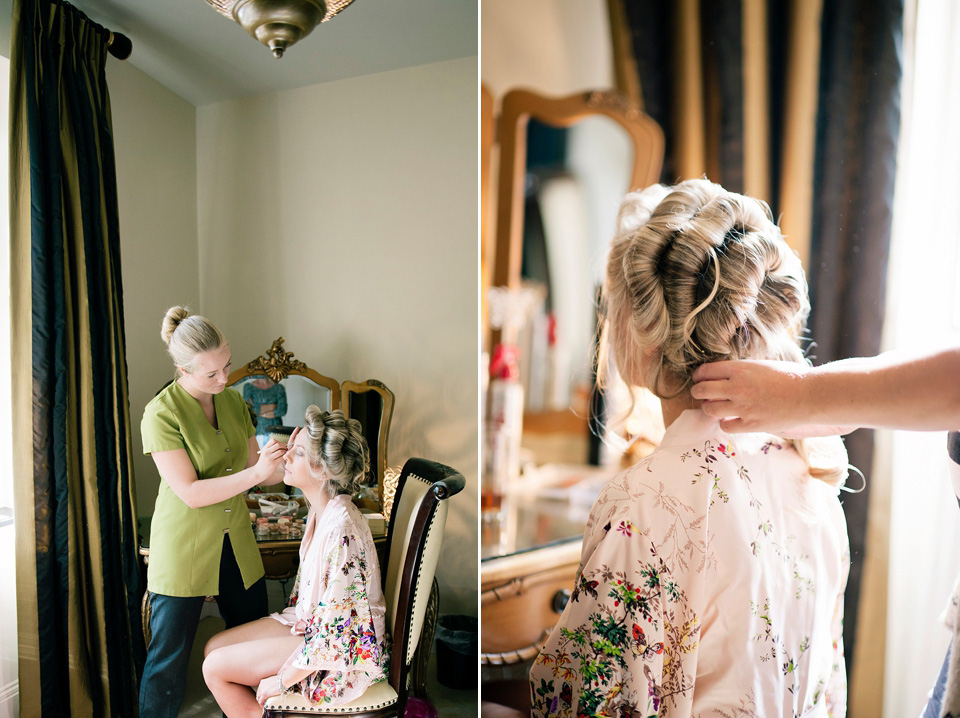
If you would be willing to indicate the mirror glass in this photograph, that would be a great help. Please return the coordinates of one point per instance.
(367, 408)
(575, 180)
(281, 403)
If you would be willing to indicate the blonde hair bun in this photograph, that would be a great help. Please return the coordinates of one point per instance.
(337, 445)
(187, 335)
(171, 320)
(698, 274)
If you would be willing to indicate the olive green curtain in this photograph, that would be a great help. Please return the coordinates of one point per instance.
(734, 84)
(78, 582)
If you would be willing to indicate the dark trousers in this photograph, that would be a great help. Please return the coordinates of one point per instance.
(173, 627)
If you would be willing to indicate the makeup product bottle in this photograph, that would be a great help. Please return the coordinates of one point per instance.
(504, 427)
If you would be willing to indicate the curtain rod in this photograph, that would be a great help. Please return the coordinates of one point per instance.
(119, 45)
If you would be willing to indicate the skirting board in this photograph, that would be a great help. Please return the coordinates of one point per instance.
(10, 700)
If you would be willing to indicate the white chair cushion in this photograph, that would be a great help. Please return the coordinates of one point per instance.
(379, 695)
(403, 518)
(424, 580)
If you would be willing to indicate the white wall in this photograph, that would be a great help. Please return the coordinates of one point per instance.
(556, 47)
(9, 680)
(343, 217)
(155, 145)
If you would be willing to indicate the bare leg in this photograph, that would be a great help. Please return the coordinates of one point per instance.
(261, 628)
(233, 669)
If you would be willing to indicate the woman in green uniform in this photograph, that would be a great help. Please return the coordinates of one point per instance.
(201, 438)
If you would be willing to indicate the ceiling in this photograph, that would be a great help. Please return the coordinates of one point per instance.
(205, 57)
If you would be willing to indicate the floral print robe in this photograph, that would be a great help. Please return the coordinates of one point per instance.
(710, 584)
(337, 606)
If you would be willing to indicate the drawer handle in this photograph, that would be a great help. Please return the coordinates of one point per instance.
(560, 600)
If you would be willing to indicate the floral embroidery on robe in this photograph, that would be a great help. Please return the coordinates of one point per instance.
(710, 584)
(337, 606)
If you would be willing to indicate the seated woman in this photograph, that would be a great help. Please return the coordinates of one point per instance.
(712, 573)
(330, 643)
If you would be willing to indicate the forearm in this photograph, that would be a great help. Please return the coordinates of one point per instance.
(889, 391)
(893, 390)
(286, 677)
(204, 492)
(175, 466)
(290, 675)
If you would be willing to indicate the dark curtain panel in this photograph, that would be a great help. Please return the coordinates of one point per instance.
(857, 111)
(77, 567)
(858, 123)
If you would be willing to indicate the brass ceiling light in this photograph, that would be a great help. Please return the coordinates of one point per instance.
(279, 23)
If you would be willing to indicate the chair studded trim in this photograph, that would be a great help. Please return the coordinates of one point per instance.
(377, 697)
(426, 570)
(411, 495)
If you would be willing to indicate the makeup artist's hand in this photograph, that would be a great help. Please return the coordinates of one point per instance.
(769, 396)
(270, 456)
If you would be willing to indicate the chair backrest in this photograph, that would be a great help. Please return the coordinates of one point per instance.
(413, 550)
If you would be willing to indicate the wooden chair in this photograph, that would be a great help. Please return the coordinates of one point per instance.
(413, 549)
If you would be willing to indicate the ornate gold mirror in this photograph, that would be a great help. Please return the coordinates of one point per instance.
(564, 165)
(278, 389)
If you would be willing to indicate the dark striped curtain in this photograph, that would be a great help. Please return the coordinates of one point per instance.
(78, 582)
(797, 103)
(858, 125)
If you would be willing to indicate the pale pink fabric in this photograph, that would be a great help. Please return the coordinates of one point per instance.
(338, 606)
(711, 584)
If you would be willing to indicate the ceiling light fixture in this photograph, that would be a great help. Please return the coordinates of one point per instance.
(279, 23)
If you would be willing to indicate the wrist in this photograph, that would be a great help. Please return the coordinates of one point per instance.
(260, 475)
(283, 689)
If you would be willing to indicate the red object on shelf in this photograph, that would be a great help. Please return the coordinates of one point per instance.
(505, 363)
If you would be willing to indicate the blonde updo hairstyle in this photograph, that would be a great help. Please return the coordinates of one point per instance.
(187, 335)
(698, 274)
(336, 445)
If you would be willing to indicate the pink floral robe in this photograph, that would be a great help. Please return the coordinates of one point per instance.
(711, 584)
(337, 606)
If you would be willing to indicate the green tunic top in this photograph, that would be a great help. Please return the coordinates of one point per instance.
(185, 543)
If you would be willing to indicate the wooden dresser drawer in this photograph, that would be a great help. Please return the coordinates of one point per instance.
(522, 596)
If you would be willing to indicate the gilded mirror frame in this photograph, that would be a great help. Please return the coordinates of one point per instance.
(517, 107)
(277, 363)
(487, 137)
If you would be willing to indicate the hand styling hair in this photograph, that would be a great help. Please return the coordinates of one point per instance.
(187, 335)
(698, 274)
(337, 445)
